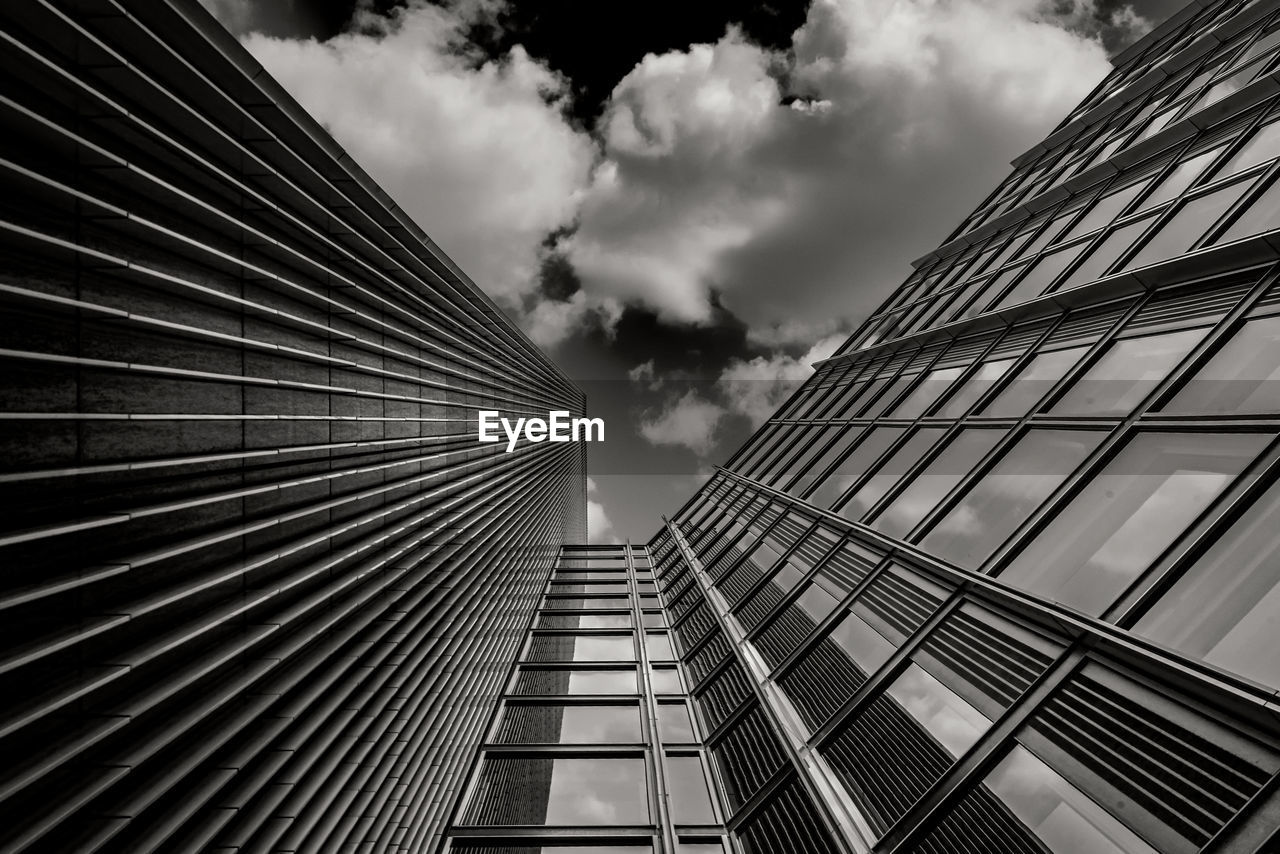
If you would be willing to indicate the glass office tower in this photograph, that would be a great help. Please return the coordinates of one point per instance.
(1003, 575)
(260, 587)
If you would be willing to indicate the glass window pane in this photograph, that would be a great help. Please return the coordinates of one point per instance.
(1128, 514)
(974, 387)
(1179, 179)
(1263, 145)
(923, 395)
(1104, 254)
(938, 478)
(866, 647)
(674, 723)
(949, 718)
(837, 450)
(1243, 376)
(888, 474)
(1187, 225)
(1262, 214)
(560, 791)
(1060, 815)
(1033, 382)
(1007, 494)
(658, 647)
(531, 680)
(548, 647)
(690, 798)
(1042, 273)
(537, 724)
(1126, 373)
(1225, 609)
(1104, 211)
(665, 680)
(867, 451)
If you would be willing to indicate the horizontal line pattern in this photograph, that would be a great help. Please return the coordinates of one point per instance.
(252, 536)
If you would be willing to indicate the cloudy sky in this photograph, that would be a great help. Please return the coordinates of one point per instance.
(686, 203)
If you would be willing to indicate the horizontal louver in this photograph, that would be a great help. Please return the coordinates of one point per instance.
(963, 352)
(748, 755)
(1017, 340)
(1199, 306)
(980, 824)
(1183, 777)
(788, 822)
(994, 662)
(902, 605)
(821, 682)
(784, 634)
(706, 658)
(695, 627)
(1085, 327)
(886, 760)
(846, 569)
(722, 695)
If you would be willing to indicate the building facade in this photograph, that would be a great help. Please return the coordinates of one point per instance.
(260, 587)
(1003, 574)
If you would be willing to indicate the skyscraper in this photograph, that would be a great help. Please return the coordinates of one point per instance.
(261, 585)
(1003, 574)
(1000, 577)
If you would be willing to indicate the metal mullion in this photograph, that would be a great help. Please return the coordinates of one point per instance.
(872, 467)
(767, 574)
(968, 771)
(881, 678)
(842, 834)
(794, 593)
(949, 432)
(833, 464)
(659, 792)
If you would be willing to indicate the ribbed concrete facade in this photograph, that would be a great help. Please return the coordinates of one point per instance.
(259, 584)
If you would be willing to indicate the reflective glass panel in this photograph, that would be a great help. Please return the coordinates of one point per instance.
(665, 680)
(1263, 145)
(982, 379)
(1225, 609)
(932, 484)
(1006, 495)
(560, 791)
(658, 647)
(1262, 214)
(674, 723)
(867, 451)
(1060, 815)
(1177, 234)
(866, 647)
(550, 681)
(1033, 382)
(1127, 515)
(1179, 179)
(690, 799)
(1243, 376)
(1126, 373)
(888, 474)
(1104, 254)
(536, 724)
(923, 395)
(949, 718)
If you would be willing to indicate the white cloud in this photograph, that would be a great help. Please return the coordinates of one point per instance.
(803, 216)
(599, 526)
(688, 421)
(755, 388)
(477, 152)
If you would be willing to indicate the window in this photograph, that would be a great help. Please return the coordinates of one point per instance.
(1180, 178)
(953, 722)
(1042, 273)
(1263, 145)
(1180, 232)
(1106, 210)
(690, 798)
(987, 375)
(525, 790)
(526, 723)
(658, 646)
(924, 395)
(1126, 373)
(873, 444)
(1061, 816)
(1244, 376)
(1262, 214)
(907, 455)
(1128, 514)
(1033, 382)
(665, 680)
(933, 483)
(1006, 495)
(552, 647)
(1225, 609)
(674, 723)
(549, 681)
(1104, 254)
